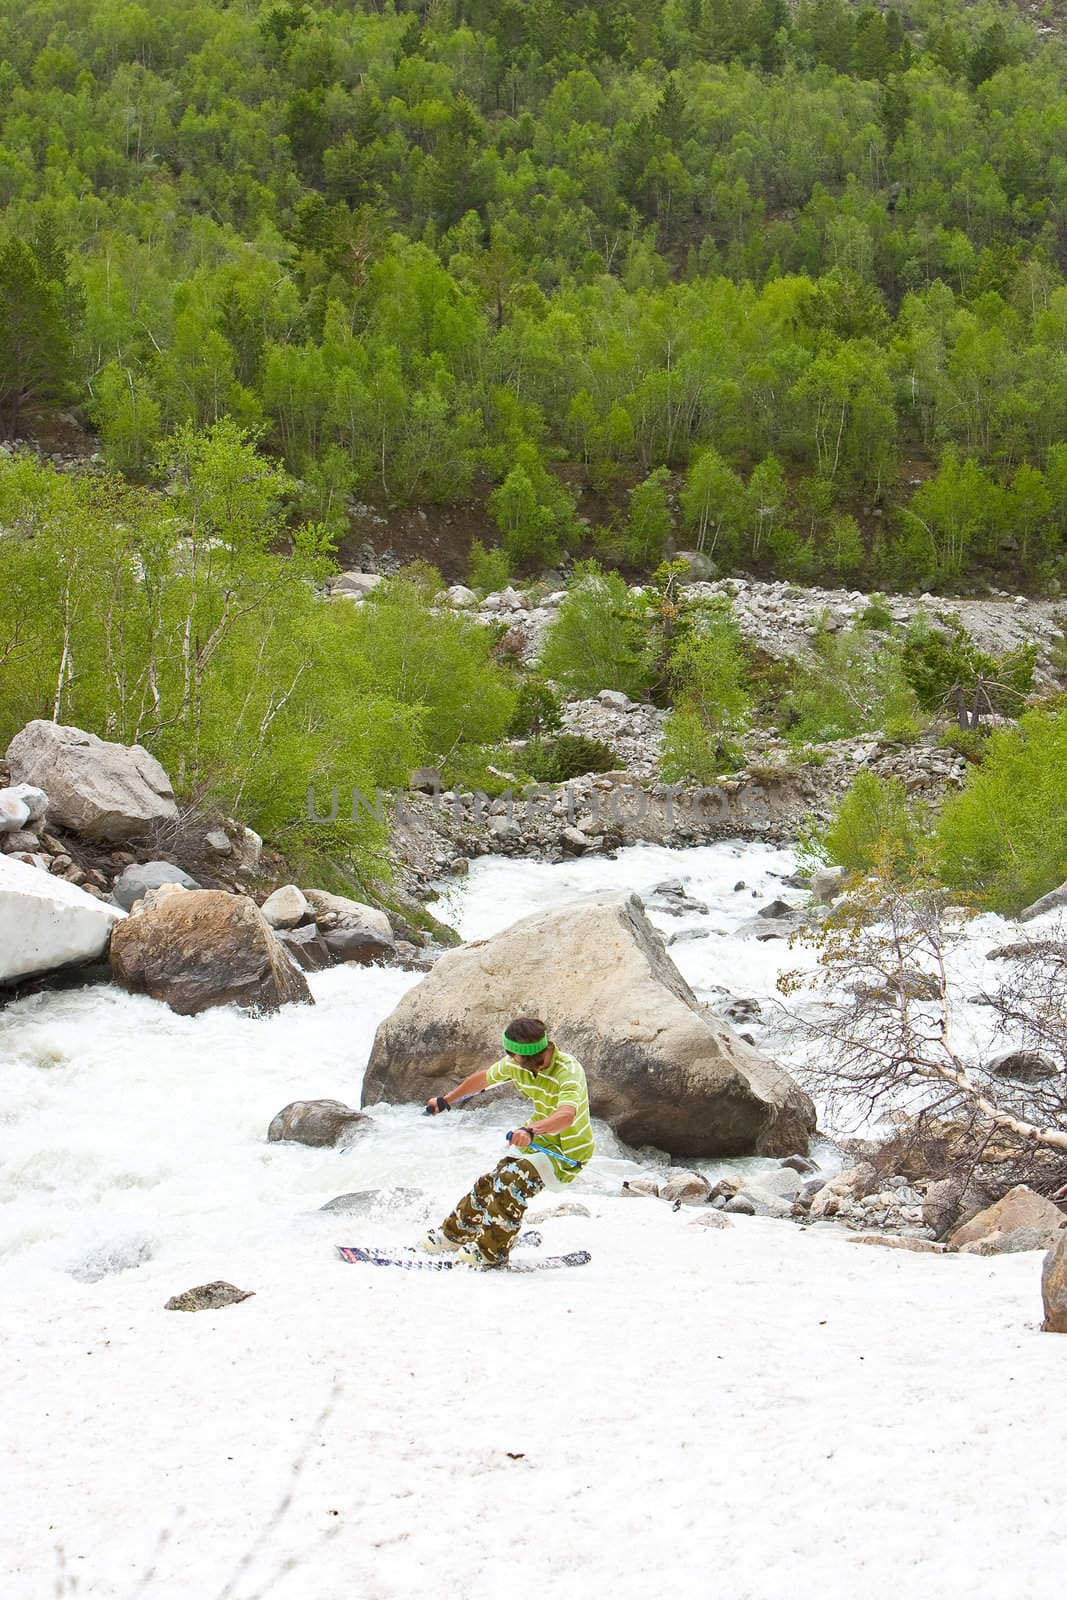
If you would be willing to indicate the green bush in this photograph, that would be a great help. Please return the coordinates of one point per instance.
(489, 570)
(875, 827)
(712, 706)
(599, 640)
(1003, 838)
(537, 711)
(570, 756)
(939, 661)
(849, 686)
(876, 616)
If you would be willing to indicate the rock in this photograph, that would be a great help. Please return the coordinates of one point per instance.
(686, 1188)
(1054, 1288)
(286, 908)
(575, 841)
(46, 923)
(248, 848)
(317, 1122)
(106, 792)
(425, 780)
(763, 1202)
(899, 1241)
(741, 1205)
(1019, 1208)
(14, 813)
(561, 1208)
(199, 948)
(351, 930)
(307, 947)
(1024, 1066)
(710, 1219)
(800, 1164)
(743, 1009)
(219, 841)
(208, 1297)
(941, 1205)
(643, 1186)
(827, 883)
(19, 843)
(1008, 1242)
(134, 883)
(701, 568)
(776, 910)
(615, 700)
(355, 585)
(782, 1182)
(661, 1070)
(1055, 900)
(461, 597)
(364, 1201)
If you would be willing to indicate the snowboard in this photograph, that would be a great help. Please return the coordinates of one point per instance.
(413, 1261)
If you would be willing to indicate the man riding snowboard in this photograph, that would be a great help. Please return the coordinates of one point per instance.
(484, 1225)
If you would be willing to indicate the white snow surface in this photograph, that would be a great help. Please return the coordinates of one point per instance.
(755, 1413)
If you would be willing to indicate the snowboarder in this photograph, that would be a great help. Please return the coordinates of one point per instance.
(484, 1225)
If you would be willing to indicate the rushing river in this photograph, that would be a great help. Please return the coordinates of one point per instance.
(129, 1135)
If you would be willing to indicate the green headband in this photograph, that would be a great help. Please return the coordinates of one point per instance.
(513, 1047)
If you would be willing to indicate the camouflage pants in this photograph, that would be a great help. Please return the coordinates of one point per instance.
(491, 1215)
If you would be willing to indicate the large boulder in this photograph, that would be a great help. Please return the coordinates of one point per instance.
(107, 792)
(1020, 1209)
(286, 908)
(1054, 1287)
(350, 930)
(200, 948)
(662, 1069)
(47, 923)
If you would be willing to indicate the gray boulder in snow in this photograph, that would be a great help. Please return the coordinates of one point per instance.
(661, 1070)
(106, 792)
(47, 923)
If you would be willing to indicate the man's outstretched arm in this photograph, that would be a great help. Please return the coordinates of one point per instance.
(472, 1085)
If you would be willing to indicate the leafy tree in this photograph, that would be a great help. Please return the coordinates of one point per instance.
(37, 362)
(598, 639)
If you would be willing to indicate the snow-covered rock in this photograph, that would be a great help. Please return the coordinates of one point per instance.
(47, 923)
(21, 807)
(107, 792)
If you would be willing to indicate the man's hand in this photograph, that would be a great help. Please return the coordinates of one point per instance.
(437, 1105)
(521, 1137)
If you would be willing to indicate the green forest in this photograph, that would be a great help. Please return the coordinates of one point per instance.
(782, 285)
(802, 270)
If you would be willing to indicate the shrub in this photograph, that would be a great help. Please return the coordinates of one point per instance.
(537, 711)
(848, 688)
(489, 570)
(942, 666)
(876, 616)
(570, 756)
(598, 641)
(712, 705)
(1003, 838)
(874, 828)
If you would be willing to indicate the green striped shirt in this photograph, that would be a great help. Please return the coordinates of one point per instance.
(561, 1084)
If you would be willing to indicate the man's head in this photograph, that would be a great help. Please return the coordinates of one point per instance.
(526, 1041)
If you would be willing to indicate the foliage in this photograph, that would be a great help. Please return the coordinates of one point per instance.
(537, 711)
(847, 687)
(432, 249)
(946, 668)
(490, 570)
(711, 706)
(570, 756)
(598, 639)
(1003, 838)
(874, 828)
